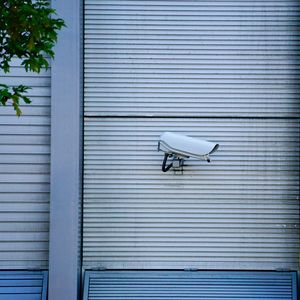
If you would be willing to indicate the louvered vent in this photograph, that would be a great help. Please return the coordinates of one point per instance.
(189, 285)
(23, 285)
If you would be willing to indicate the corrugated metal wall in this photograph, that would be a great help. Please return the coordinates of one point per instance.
(226, 71)
(192, 58)
(24, 175)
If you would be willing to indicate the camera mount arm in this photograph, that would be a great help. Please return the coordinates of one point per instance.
(176, 164)
(164, 167)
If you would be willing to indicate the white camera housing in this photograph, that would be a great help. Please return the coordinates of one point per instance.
(181, 146)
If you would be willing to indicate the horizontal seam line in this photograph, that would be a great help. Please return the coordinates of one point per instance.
(191, 117)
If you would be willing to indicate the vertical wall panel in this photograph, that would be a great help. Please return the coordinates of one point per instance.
(226, 71)
(24, 174)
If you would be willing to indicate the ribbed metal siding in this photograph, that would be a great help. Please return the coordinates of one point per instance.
(232, 68)
(192, 58)
(23, 285)
(189, 285)
(24, 175)
(240, 211)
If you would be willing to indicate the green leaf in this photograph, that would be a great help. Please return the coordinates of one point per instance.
(28, 31)
(26, 99)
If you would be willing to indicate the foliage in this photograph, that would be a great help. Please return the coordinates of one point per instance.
(28, 31)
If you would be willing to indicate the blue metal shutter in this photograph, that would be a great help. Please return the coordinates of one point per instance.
(181, 285)
(23, 285)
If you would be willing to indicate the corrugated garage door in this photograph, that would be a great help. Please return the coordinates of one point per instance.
(24, 175)
(226, 71)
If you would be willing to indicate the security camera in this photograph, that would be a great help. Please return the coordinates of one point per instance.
(180, 146)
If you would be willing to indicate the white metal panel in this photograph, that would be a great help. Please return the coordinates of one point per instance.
(226, 71)
(192, 58)
(24, 174)
(238, 212)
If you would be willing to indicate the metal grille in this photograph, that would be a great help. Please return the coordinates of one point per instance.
(23, 285)
(189, 285)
